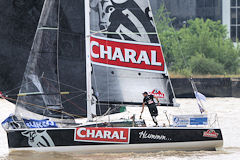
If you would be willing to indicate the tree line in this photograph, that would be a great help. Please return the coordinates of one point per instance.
(200, 47)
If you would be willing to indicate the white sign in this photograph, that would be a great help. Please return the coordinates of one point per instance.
(184, 120)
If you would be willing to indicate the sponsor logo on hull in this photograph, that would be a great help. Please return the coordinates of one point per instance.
(146, 135)
(157, 93)
(32, 123)
(38, 138)
(127, 54)
(102, 135)
(210, 133)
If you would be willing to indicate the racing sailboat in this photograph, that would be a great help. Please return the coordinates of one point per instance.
(98, 53)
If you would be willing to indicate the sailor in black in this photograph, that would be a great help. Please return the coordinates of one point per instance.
(149, 101)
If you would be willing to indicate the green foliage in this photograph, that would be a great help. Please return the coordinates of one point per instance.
(202, 65)
(199, 47)
(163, 20)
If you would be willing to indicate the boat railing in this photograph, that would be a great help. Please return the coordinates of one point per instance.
(213, 120)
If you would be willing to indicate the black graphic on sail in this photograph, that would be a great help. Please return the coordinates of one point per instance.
(56, 64)
(126, 17)
(131, 22)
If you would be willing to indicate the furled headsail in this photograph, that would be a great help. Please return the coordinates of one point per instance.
(126, 54)
(57, 62)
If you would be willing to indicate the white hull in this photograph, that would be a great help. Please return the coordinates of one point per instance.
(155, 147)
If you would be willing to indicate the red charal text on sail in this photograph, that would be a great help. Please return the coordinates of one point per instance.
(128, 54)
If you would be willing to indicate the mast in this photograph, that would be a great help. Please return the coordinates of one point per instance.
(90, 109)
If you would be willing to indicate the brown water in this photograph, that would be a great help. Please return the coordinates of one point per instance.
(228, 110)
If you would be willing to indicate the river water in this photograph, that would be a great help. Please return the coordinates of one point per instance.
(228, 110)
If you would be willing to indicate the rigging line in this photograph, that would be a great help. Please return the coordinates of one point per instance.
(79, 107)
(20, 86)
(96, 32)
(93, 70)
(71, 33)
(47, 28)
(49, 85)
(113, 109)
(72, 98)
(95, 81)
(147, 33)
(58, 77)
(41, 93)
(109, 111)
(17, 87)
(66, 85)
(73, 115)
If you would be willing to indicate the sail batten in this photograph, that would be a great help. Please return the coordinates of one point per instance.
(47, 28)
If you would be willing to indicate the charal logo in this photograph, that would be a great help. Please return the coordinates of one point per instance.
(210, 133)
(38, 138)
(100, 134)
(127, 54)
(157, 93)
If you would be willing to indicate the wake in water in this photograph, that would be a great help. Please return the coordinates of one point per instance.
(18, 155)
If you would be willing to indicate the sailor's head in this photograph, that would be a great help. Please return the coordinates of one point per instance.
(145, 94)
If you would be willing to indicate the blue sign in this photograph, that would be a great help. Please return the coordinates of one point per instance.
(32, 123)
(199, 121)
(7, 120)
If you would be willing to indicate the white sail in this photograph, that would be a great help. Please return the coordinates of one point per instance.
(126, 54)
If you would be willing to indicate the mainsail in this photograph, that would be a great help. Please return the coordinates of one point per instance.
(57, 62)
(126, 54)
